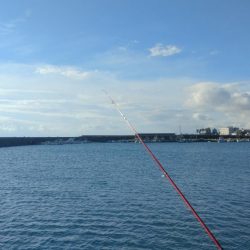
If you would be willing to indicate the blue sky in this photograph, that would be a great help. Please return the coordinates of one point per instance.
(168, 63)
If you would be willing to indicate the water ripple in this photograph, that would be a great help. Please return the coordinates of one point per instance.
(110, 196)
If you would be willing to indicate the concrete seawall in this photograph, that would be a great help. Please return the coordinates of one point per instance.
(149, 137)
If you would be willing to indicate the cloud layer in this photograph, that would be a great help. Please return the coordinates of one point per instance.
(50, 100)
(70, 72)
(231, 101)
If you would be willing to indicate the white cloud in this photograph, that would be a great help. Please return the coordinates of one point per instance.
(164, 50)
(69, 107)
(42, 104)
(70, 72)
(227, 102)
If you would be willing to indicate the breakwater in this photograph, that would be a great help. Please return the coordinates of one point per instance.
(147, 137)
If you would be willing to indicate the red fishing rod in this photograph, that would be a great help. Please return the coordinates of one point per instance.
(185, 200)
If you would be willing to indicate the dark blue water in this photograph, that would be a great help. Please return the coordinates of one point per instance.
(111, 196)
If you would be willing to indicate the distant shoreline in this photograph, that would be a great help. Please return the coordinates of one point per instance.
(147, 137)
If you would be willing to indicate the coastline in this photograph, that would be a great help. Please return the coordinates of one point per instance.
(147, 137)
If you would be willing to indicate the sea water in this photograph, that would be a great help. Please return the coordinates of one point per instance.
(112, 196)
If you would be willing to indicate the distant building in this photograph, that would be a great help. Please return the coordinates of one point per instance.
(207, 131)
(204, 131)
(228, 131)
(215, 131)
(244, 132)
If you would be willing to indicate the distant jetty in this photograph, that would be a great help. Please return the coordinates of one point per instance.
(147, 137)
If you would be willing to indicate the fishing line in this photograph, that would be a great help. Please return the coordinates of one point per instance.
(165, 173)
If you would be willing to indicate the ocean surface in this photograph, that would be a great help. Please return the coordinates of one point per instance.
(112, 196)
